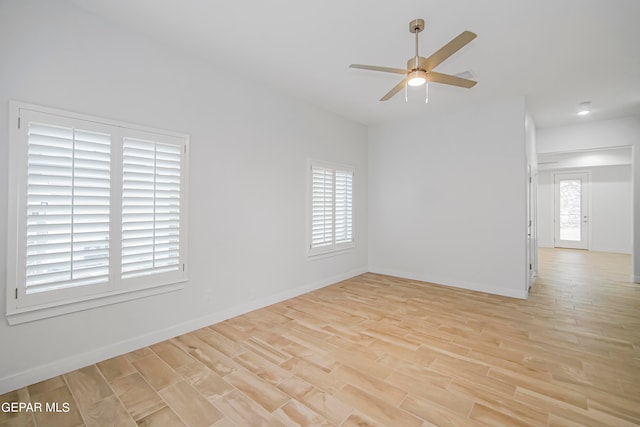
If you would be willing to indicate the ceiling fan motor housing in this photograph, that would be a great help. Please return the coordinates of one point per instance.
(417, 63)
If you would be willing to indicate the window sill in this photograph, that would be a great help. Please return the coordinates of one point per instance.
(327, 253)
(17, 316)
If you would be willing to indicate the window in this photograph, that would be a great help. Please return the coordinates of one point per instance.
(97, 212)
(331, 208)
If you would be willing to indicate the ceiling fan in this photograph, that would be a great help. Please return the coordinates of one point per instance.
(420, 70)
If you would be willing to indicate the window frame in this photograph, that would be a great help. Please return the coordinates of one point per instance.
(22, 307)
(333, 248)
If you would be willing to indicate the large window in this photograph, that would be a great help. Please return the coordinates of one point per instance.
(97, 212)
(331, 208)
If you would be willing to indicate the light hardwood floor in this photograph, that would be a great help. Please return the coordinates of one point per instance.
(381, 351)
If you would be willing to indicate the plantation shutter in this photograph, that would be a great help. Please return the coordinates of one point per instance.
(68, 190)
(97, 212)
(150, 207)
(344, 206)
(321, 206)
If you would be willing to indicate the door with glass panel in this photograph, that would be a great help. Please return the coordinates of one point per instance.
(572, 210)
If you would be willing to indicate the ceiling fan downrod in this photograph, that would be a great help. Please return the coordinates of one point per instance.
(416, 26)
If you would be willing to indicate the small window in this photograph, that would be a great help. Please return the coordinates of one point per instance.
(331, 208)
(98, 212)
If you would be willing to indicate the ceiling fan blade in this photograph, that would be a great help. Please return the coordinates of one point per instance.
(449, 49)
(448, 79)
(397, 88)
(376, 68)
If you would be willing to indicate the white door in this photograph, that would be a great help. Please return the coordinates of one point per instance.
(572, 210)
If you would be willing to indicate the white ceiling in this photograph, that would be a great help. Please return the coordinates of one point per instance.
(556, 53)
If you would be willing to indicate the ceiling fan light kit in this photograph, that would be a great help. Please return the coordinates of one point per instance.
(417, 78)
(418, 81)
(420, 70)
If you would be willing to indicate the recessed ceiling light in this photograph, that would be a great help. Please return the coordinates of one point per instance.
(584, 108)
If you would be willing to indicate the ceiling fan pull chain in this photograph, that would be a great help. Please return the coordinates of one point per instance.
(426, 93)
(406, 94)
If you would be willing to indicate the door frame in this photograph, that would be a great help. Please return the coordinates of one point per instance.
(585, 217)
(532, 225)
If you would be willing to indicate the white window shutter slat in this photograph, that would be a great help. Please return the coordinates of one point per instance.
(68, 184)
(321, 207)
(150, 207)
(344, 211)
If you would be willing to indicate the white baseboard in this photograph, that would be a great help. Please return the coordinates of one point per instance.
(61, 366)
(609, 249)
(479, 287)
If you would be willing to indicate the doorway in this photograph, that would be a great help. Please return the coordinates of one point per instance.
(609, 206)
(571, 209)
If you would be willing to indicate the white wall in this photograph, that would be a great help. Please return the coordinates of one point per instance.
(545, 209)
(447, 198)
(599, 134)
(249, 151)
(610, 200)
(611, 209)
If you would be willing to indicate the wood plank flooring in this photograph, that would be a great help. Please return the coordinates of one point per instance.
(381, 351)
